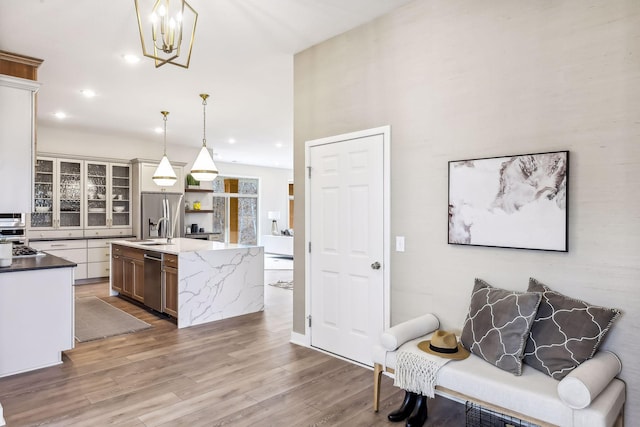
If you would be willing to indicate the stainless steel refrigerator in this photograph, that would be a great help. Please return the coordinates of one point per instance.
(161, 205)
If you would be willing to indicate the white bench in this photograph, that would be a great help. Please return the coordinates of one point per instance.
(590, 396)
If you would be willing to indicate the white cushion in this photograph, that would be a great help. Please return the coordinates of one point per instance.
(578, 389)
(533, 393)
(399, 334)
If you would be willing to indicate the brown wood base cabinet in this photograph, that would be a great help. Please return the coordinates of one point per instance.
(128, 272)
(170, 277)
(127, 276)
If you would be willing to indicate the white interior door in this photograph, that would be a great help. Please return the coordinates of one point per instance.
(347, 251)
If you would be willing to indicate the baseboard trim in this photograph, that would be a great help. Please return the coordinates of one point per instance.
(299, 339)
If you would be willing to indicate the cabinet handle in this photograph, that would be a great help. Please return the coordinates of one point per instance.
(59, 246)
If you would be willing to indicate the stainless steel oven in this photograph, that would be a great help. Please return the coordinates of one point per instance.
(13, 228)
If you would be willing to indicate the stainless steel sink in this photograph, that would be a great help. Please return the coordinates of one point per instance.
(154, 242)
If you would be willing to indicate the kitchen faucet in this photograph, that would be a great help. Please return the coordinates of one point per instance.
(166, 229)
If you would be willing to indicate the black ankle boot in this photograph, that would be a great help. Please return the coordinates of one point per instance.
(405, 409)
(419, 415)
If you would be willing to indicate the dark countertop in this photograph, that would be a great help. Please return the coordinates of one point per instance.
(41, 262)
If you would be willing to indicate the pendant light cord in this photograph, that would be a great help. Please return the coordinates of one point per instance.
(204, 122)
(164, 117)
(165, 133)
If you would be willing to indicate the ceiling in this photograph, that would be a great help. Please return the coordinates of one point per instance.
(242, 57)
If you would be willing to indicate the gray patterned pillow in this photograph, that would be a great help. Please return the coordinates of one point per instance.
(565, 333)
(498, 324)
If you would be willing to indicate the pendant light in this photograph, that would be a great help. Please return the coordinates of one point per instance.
(164, 176)
(203, 168)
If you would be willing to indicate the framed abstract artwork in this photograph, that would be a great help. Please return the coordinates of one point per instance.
(516, 201)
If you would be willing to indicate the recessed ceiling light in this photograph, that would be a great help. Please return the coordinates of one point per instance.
(232, 141)
(60, 115)
(279, 144)
(158, 130)
(88, 93)
(131, 59)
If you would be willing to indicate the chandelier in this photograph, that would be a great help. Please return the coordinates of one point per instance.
(163, 26)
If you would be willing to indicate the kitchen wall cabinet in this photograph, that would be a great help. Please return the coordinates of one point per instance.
(58, 207)
(108, 196)
(17, 142)
(80, 198)
(170, 278)
(144, 170)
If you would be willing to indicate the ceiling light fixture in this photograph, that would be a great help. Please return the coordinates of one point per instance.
(203, 168)
(88, 93)
(164, 176)
(131, 59)
(60, 115)
(166, 21)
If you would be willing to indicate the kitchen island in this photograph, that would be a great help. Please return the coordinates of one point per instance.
(36, 313)
(194, 281)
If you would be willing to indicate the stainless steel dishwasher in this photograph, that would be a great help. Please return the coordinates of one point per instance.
(153, 280)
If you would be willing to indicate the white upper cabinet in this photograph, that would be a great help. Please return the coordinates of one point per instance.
(17, 142)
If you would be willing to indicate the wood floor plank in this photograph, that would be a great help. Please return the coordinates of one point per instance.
(235, 372)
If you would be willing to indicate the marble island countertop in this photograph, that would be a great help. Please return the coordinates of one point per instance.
(215, 280)
(180, 245)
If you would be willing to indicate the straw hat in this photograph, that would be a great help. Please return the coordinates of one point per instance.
(444, 344)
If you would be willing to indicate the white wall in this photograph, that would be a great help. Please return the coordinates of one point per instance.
(273, 181)
(467, 79)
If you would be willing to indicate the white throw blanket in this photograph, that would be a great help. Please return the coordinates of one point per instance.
(417, 371)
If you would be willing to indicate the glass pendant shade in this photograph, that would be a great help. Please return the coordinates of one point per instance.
(203, 168)
(164, 176)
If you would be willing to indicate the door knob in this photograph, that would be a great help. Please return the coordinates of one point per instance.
(375, 265)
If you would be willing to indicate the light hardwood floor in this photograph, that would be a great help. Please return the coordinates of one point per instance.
(235, 372)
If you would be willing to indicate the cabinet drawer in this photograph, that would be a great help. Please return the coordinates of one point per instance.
(59, 244)
(171, 260)
(98, 243)
(79, 256)
(98, 254)
(115, 232)
(97, 269)
(53, 234)
(128, 252)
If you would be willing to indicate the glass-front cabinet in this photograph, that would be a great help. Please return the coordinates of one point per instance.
(108, 194)
(80, 198)
(57, 193)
